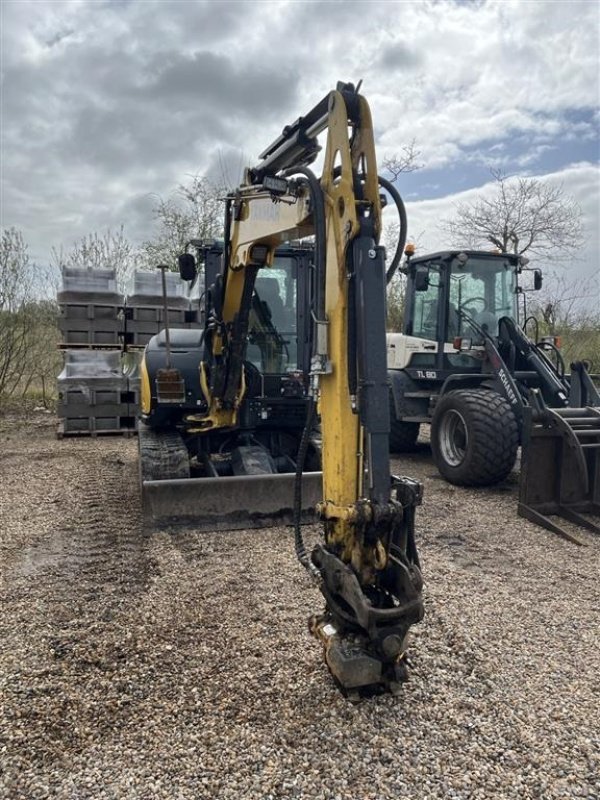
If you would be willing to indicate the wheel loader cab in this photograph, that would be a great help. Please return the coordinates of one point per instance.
(465, 366)
(464, 292)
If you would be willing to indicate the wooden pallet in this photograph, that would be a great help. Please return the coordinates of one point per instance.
(86, 346)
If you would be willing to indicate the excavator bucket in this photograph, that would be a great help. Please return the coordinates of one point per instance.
(560, 468)
(231, 503)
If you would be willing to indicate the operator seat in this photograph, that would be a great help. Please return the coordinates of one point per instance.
(489, 322)
(430, 326)
(453, 322)
(268, 290)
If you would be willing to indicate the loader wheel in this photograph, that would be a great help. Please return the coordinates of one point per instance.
(474, 437)
(403, 435)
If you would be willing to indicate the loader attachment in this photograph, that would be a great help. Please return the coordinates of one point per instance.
(230, 503)
(560, 468)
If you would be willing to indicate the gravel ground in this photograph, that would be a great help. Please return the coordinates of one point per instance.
(157, 665)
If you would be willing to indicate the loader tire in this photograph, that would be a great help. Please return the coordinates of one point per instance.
(403, 435)
(474, 437)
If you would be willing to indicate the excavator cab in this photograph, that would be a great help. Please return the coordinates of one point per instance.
(263, 446)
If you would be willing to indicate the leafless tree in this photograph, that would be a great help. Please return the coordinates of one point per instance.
(396, 287)
(15, 293)
(407, 160)
(28, 323)
(194, 211)
(110, 250)
(570, 308)
(523, 215)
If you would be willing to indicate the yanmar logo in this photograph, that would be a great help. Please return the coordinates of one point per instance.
(512, 397)
(264, 211)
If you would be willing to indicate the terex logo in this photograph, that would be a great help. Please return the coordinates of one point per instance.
(507, 387)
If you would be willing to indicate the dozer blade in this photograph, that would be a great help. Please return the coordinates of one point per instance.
(560, 469)
(232, 503)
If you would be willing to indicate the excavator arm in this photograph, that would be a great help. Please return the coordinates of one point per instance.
(366, 565)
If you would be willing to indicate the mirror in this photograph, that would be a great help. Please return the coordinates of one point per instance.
(537, 279)
(187, 266)
(421, 279)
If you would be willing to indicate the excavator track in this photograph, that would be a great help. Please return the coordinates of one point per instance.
(163, 456)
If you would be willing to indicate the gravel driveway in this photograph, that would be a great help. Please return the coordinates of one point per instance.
(157, 665)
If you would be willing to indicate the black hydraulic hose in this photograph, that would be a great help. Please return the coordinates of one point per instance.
(319, 314)
(402, 234)
(320, 235)
(560, 366)
(302, 555)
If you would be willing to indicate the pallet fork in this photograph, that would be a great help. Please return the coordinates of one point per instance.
(560, 466)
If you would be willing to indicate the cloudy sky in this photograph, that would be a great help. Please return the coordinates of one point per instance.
(107, 104)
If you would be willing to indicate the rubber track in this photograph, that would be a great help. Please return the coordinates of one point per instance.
(494, 435)
(163, 456)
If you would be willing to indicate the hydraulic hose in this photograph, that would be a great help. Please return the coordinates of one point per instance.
(318, 309)
(301, 554)
(402, 234)
(316, 194)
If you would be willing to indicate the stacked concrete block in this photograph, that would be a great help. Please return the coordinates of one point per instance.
(94, 395)
(144, 310)
(91, 309)
(102, 338)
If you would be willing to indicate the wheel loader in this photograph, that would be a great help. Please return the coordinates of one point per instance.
(289, 337)
(464, 365)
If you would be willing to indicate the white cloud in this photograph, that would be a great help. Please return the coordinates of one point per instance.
(580, 181)
(106, 103)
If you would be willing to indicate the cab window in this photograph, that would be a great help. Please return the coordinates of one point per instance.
(425, 317)
(272, 334)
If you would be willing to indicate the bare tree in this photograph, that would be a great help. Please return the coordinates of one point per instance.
(194, 211)
(524, 215)
(15, 293)
(28, 322)
(407, 160)
(110, 250)
(563, 308)
(396, 287)
(44, 360)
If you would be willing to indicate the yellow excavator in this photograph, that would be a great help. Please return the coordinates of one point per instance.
(224, 438)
